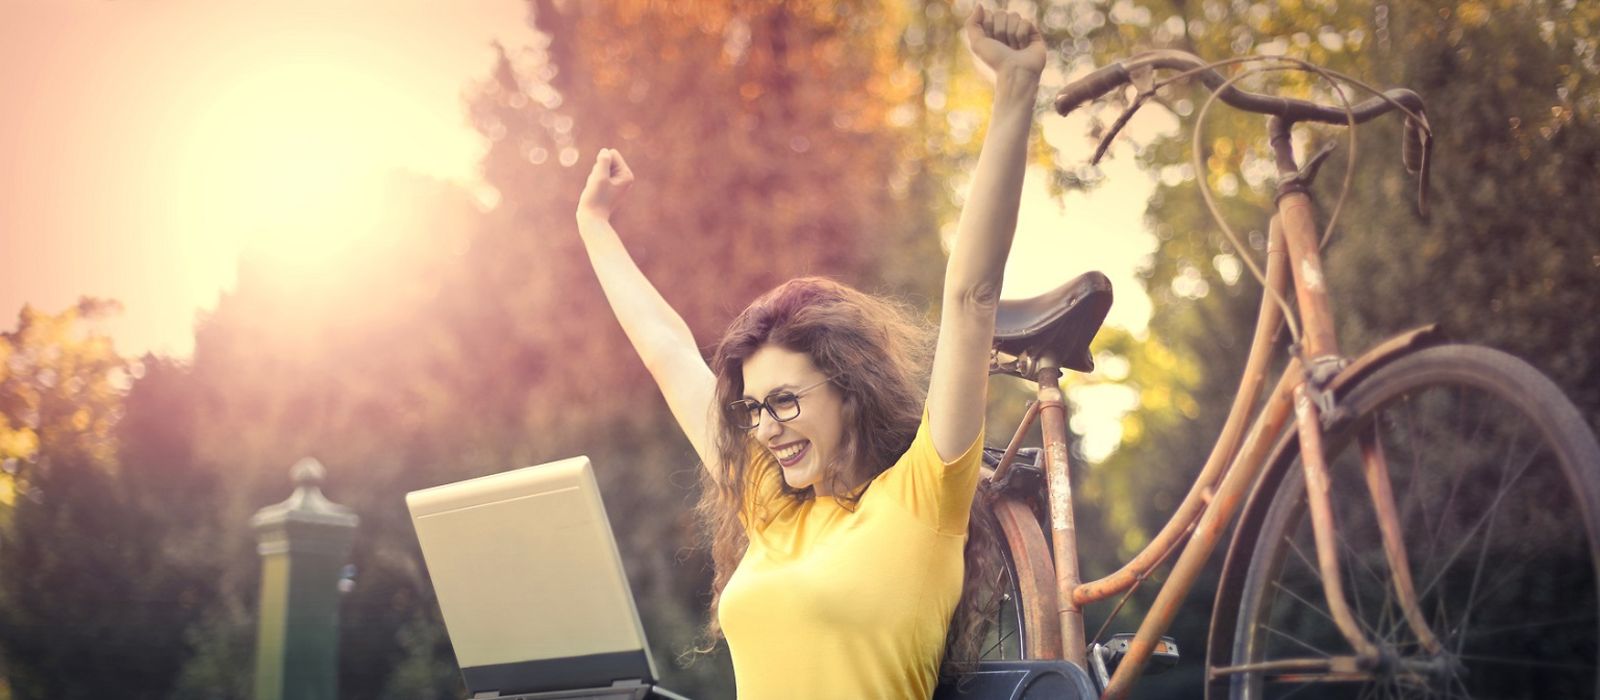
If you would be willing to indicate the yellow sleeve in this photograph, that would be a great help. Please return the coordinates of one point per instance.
(937, 492)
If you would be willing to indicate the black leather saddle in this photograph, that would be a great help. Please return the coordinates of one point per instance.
(1057, 324)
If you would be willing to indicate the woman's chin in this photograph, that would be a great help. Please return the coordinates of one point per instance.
(799, 476)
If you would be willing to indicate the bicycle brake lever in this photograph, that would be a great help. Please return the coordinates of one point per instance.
(1416, 153)
(1422, 176)
(1105, 143)
(1143, 79)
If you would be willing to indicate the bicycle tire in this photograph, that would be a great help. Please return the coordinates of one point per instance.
(1490, 465)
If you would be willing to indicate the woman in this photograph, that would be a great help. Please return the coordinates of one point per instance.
(838, 502)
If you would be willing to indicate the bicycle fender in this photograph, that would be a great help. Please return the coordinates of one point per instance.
(1385, 352)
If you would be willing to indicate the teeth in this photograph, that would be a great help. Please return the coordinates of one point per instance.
(789, 453)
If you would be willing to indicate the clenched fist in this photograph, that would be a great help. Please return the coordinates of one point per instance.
(608, 181)
(1003, 41)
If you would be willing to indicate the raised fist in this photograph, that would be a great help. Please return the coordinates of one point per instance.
(608, 181)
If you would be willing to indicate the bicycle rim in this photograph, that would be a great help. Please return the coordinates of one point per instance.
(1007, 635)
(1497, 484)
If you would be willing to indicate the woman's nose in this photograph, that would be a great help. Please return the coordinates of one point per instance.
(769, 428)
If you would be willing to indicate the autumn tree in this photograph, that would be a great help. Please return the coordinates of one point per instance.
(91, 601)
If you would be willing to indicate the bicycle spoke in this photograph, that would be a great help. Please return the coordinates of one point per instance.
(1589, 620)
(1386, 689)
(1354, 589)
(1001, 633)
(1354, 555)
(1304, 560)
(1296, 640)
(1441, 615)
(998, 644)
(1477, 572)
(1471, 532)
(1317, 573)
(1322, 612)
(1455, 484)
(1393, 619)
(1507, 577)
(1415, 499)
(1294, 692)
(1314, 607)
(1530, 663)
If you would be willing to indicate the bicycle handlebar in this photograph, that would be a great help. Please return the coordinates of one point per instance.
(1415, 145)
(1115, 75)
(1092, 87)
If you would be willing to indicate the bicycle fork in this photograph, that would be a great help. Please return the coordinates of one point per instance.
(1321, 361)
(1375, 470)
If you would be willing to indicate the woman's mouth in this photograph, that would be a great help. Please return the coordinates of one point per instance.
(791, 454)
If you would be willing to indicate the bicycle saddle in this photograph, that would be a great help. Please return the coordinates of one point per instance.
(1058, 324)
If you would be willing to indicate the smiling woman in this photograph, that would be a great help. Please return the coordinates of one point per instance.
(846, 561)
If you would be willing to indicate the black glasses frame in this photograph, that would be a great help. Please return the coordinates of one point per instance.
(748, 407)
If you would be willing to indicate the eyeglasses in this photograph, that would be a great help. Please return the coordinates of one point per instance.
(784, 406)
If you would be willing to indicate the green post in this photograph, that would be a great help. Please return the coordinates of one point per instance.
(303, 542)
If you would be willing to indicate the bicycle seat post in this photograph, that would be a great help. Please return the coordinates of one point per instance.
(1064, 531)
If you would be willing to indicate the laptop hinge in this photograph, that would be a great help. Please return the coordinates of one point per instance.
(629, 688)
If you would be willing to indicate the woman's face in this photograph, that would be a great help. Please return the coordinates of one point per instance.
(807, 445)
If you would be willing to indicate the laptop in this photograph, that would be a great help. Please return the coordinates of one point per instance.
(531, 586)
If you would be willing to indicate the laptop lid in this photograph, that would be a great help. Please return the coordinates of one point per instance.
(529, 581)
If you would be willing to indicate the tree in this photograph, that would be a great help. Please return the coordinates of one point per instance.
(90, 603)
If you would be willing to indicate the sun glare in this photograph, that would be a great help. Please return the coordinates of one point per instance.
(286, 162)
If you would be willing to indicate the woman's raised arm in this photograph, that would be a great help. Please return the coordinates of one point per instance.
(657, 332)
(1012, 49)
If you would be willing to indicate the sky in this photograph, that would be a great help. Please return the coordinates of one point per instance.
(146, 145)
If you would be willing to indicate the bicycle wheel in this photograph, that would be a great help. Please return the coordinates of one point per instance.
(1020, 628)
(1497, 486)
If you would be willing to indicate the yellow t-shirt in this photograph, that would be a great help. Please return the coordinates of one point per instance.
(830, 603)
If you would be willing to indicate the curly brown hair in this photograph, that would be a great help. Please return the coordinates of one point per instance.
(877, 355)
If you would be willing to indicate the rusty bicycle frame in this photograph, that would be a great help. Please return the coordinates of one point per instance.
(1300, 400)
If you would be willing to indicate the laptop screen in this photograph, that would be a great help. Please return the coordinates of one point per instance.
(529, 580)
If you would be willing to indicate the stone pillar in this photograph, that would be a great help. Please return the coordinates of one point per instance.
(303, 542)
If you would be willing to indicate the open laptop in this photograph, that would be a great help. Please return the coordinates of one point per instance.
(531, 586)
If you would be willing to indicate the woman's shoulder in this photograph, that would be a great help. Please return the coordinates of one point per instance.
(929, 485)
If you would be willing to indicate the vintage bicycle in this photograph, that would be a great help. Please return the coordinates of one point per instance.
(1470, 568)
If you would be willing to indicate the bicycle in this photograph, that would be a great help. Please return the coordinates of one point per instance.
(1472, 568)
